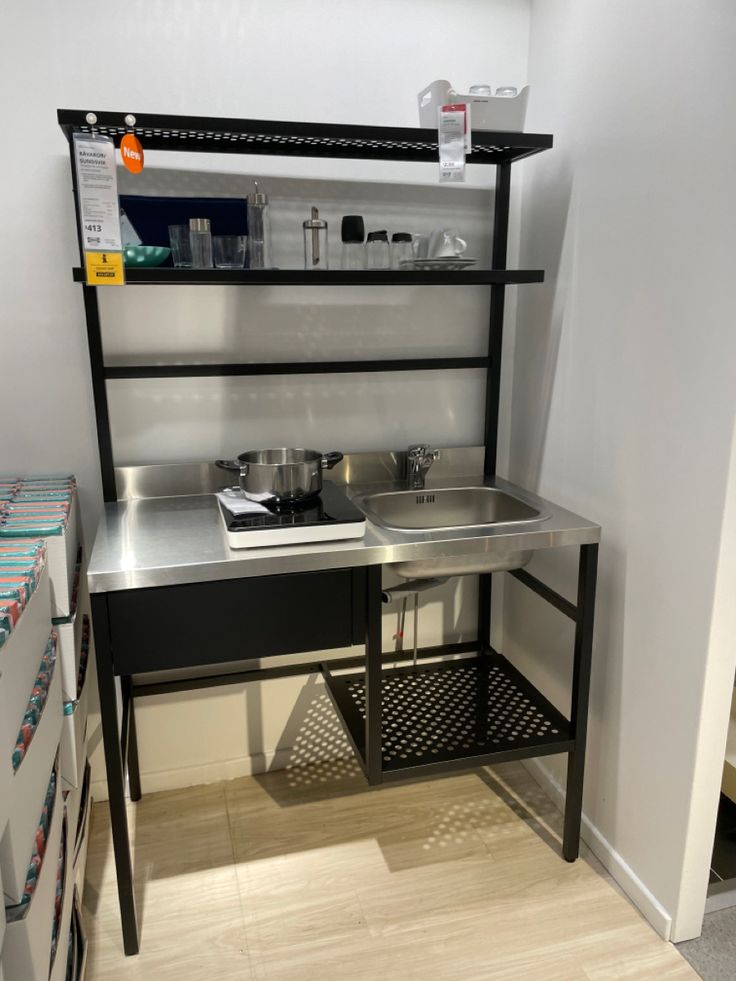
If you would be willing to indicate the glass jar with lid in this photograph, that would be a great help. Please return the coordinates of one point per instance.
(401, 249)
(353, 237)
(378, 254)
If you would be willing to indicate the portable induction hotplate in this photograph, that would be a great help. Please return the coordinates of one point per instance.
(327, 518)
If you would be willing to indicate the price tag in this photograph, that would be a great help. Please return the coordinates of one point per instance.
(99, 212)
(453, 137)
(104, 268)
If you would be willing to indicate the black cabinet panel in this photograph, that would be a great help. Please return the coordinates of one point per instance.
(235, 619)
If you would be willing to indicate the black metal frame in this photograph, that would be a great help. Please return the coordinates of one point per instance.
(364, 731)
(325, 277)
(208, 134)
(248, 136)
(253, 369)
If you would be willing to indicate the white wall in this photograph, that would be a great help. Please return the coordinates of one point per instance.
(623, 410)
(331, 60)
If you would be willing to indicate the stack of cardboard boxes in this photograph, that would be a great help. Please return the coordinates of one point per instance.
(44, 775)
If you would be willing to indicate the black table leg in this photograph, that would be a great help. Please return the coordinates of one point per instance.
(485, 585)
(115, 772)
(373, 670)
(587, 572)
(134, 773)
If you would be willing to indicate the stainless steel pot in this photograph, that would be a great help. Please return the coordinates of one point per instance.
(280, 476)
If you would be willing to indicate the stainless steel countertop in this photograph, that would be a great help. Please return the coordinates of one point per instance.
(167, 541)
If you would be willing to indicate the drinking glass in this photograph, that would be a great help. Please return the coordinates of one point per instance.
(181, 249)
(229, 251)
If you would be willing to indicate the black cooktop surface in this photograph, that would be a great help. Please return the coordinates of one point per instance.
(330, 508)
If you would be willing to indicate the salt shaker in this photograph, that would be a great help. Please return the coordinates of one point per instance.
(315, 242)
(259, 230)
(200, 240)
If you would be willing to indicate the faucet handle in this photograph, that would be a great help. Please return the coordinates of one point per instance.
(422, 451)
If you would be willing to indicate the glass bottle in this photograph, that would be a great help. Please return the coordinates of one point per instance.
(315, 242)
(259, 230)
(200, 240)
(353, 237)
(401, 249)
(378, 255)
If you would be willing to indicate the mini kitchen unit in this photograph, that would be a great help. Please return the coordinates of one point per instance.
(161, 549)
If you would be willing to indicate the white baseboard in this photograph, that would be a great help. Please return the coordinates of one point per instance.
(640, 896)
(194, 776)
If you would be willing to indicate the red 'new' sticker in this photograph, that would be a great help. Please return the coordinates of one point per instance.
(131, 152)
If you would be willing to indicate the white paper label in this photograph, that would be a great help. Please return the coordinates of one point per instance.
(97, 189)
(453, 132)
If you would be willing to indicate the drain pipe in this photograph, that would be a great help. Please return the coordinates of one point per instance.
(412, 587)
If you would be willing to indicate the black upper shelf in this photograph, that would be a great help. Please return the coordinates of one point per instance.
(210, 134)
(324, 277)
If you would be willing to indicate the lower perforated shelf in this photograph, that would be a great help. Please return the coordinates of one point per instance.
(443, 715)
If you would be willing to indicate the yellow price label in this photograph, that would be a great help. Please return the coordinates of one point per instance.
(105, 268)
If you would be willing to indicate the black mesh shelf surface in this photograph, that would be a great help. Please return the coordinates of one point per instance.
(448, 714)
(209, 134)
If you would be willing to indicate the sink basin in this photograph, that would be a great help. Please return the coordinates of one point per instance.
(449, 507)
(445, 509)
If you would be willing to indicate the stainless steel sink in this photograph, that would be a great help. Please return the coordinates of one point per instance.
(446, 509)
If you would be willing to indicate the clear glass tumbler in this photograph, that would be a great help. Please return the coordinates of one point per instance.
(229, 251)
(200, 238)
(181, 249)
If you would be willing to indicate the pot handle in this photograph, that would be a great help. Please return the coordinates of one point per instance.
(329, 460)
(233, 465)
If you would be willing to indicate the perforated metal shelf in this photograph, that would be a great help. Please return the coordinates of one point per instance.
(208, 134)
(452, 714)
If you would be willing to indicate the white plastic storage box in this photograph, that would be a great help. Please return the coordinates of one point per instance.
(2, 928)
(77, 961)
(73, 801)
(61, 956)
(69, 631)
(27, 787)
(74, 732)
(27, 946)
(73, 736)
(63, 553)
(20, 656)
(82, 843)
(487, 112)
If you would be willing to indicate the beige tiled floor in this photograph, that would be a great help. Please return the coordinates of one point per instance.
(306, 874)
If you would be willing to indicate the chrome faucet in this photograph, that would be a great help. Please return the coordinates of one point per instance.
(419, 458)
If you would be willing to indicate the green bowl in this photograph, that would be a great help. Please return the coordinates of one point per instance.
(145, 255)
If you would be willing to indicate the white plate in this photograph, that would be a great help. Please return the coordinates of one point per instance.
(439, 262)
